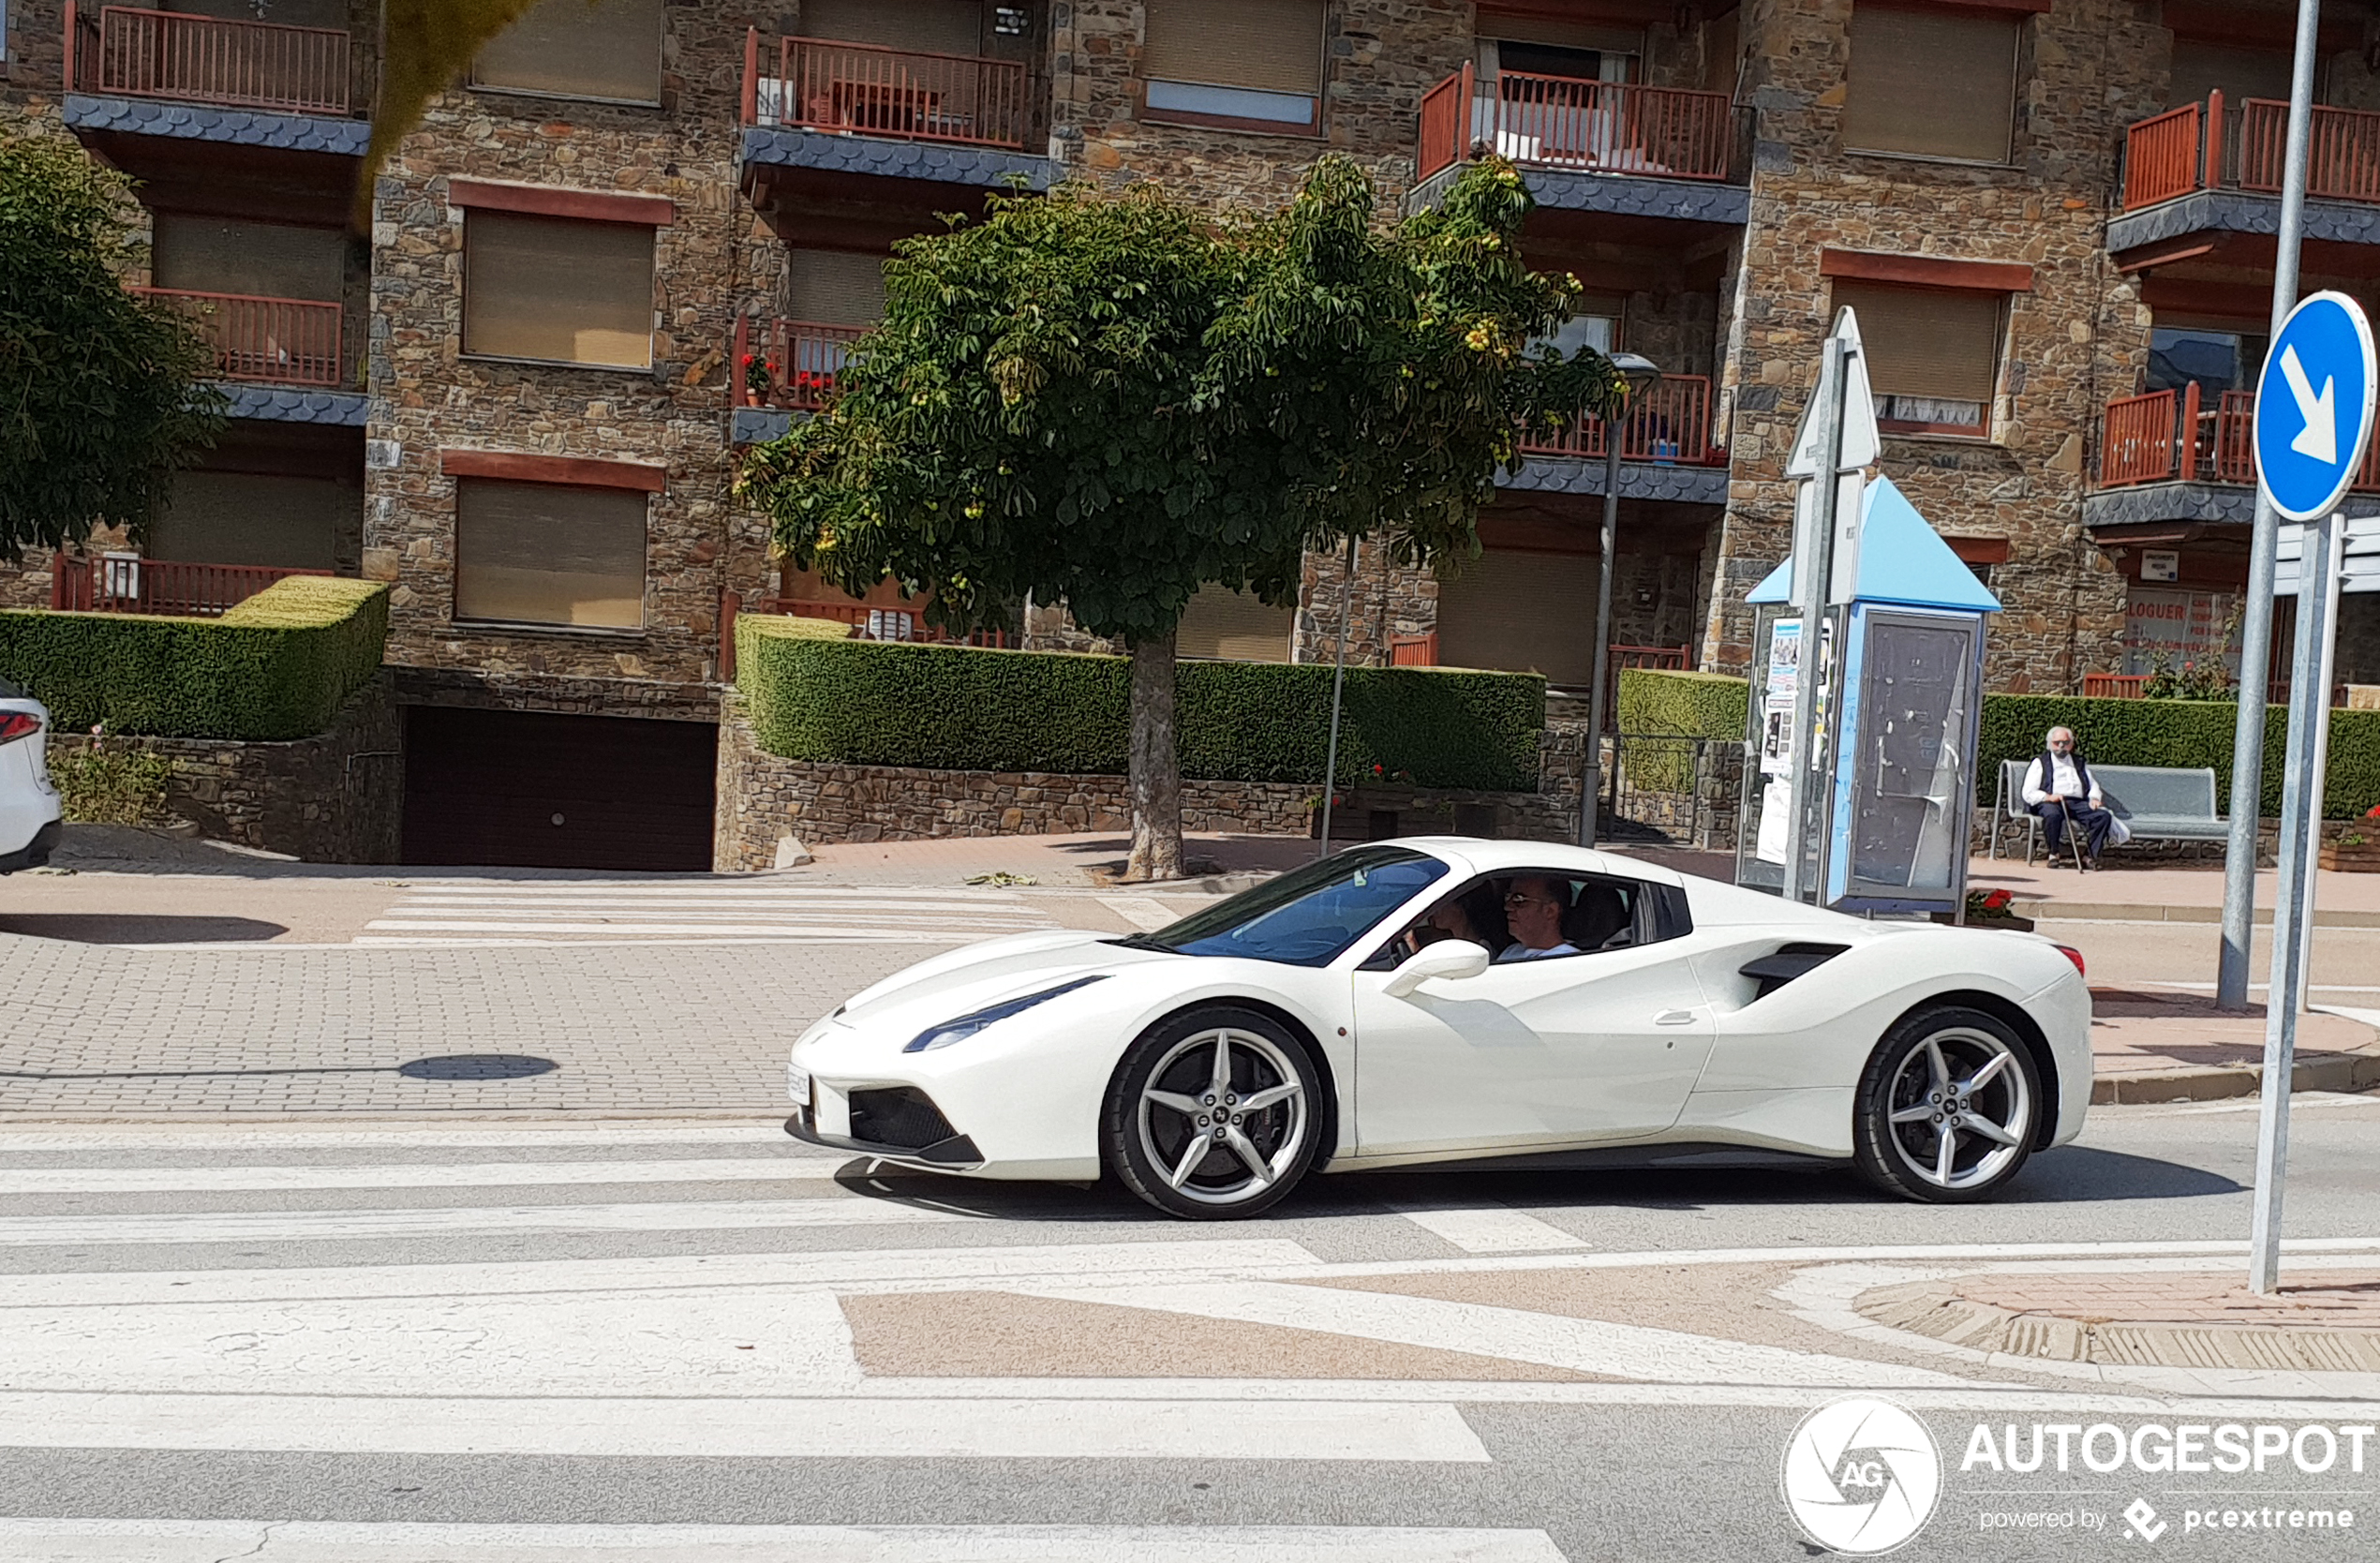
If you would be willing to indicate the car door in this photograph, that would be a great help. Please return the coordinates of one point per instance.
(1603, 1045)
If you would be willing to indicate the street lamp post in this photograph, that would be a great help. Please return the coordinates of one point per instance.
(1639, 374)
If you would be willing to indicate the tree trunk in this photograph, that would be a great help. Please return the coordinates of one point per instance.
(1156, 765)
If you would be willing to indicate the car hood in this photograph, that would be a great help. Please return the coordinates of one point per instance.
(994, 971)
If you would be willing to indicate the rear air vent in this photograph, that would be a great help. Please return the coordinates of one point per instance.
(1775, 970)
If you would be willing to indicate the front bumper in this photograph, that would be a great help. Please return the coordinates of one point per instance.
(957, 1153)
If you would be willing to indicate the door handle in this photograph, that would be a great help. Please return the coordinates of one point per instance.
(1674, 1017)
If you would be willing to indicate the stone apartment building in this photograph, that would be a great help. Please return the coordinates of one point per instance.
(518, 397)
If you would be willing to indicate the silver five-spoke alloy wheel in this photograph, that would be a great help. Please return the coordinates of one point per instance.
(1962, 1109)
(1223, 1115)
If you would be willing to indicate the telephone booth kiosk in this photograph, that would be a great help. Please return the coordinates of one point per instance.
(1903, 664)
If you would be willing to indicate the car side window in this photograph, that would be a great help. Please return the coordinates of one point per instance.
(1547, 915)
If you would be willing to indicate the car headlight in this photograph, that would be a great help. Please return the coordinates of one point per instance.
(965, 1026)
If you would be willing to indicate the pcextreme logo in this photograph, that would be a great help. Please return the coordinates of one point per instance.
(1861, 1476)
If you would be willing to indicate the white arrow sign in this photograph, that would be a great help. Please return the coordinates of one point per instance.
(2319, 438)
(1861, 444)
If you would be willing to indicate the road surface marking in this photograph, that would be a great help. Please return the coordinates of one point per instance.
(1142, 912)
(384, 1135)
(1578, 1345)
(719, 1427)
(494, 1174)
(484, 1220)
(319, 1542)
(845, 1270)
(1491, 1228)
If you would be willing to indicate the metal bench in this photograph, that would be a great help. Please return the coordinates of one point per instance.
(2156, 804)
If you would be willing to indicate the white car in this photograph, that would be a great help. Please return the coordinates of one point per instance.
(1444, 1000)
(29, 810)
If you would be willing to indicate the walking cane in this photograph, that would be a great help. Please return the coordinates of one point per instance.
(2072, 839)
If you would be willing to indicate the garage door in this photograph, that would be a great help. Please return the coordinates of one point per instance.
(1522, 612)
(524, 789)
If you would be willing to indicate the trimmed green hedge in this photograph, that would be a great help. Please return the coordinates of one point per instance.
(278, 666)
(1690, 705)
(2183, 734)
(820, 697)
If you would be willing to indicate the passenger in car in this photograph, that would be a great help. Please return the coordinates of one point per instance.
(1534, 905)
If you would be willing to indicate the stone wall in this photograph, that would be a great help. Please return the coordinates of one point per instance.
(764, 799)
(338, 797)
(2089, 69)
(428, 395)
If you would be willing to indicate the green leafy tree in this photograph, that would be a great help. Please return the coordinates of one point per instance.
(1113, 401)
(99, 399)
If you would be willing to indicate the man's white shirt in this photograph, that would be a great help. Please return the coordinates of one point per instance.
(2064, 782)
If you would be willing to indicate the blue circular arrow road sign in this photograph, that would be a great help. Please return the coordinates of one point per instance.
(2313, 405)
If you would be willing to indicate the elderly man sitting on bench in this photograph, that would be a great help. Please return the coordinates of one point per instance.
(2059, 788)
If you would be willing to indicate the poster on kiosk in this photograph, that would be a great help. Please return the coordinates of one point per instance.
(1900, 669)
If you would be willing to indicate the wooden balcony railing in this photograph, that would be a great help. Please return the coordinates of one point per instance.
(867, 623)
(1563, 122)
(201, 59)
(822, 84)
(792, 363)
(2208, 147)
(2168, 436)
(1414, 650)
(126, 583)
(1670, 424)
(280, 341)
(2113, 686)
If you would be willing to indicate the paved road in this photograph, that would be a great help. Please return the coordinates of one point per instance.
(491, 1342)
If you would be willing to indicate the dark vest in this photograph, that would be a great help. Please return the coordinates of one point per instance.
(2049, 772)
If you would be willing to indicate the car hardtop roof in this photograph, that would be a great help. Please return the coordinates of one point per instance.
(1479, 855)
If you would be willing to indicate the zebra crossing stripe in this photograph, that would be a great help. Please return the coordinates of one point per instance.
(667, 1425)
(318, 1541)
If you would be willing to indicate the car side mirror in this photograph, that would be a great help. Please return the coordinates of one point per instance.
(1450, 959)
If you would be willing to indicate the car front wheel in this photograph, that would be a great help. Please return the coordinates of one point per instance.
(1214, 1114)
(1948, 1107)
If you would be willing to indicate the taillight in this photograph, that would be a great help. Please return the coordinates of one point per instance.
(2076, 956)
(18, 724)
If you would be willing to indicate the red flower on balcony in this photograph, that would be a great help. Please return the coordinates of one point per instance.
(760, 376)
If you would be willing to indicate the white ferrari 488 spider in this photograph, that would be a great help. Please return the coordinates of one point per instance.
(1444, 1000)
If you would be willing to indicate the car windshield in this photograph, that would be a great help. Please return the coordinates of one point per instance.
(1306, 916)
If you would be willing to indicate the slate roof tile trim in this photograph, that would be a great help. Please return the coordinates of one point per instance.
(346, 138)
(947, 164)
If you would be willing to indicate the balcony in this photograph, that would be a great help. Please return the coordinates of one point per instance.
(2203, 181)
(1601, 127)
(902, 95)
(126, 52)
(1629, 161)
(126, 583)
(801, 358)
(1671, 424)
(2174, 436)
(272, 341)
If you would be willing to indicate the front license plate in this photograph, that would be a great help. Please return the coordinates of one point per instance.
(797, 1084)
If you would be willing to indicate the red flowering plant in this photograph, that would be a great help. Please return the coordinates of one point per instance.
(1382, 775)
(760, 376)
(1988, 904)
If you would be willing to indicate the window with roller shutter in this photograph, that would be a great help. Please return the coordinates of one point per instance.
(609, 50)
(537, 553)
(1248, 65)
(1933, 354)
(1932, 82)
(1515, 610)
(834, 287)
(558, 289)
(1234, 626)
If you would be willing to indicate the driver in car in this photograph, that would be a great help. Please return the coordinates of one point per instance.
(1533, 908)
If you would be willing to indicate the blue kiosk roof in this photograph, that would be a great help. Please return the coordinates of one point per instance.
(1901, 560)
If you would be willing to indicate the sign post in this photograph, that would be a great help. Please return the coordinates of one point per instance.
(2313, 418)
(1836, 443)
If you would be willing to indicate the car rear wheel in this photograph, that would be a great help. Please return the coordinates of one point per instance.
(1948, 1107)
(1214, 1114)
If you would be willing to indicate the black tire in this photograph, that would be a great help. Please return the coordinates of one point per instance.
(1164, 1092)
(1985, 1103)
